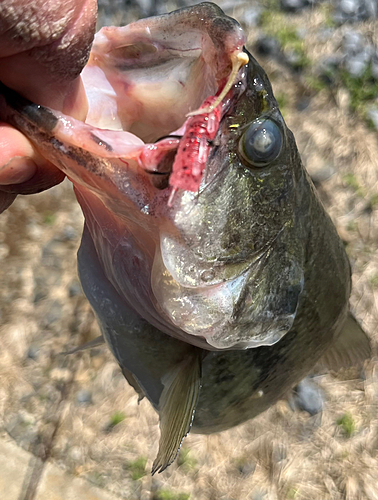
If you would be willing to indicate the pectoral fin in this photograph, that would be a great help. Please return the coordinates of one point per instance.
(351, 348)
(133, 382)
(88, 345)
(176, 408)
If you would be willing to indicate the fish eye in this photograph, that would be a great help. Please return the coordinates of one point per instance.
(261, 143)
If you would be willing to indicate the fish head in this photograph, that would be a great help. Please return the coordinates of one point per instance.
(234, 268)
(190, 181)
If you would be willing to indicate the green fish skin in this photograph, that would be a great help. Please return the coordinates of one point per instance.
(216, 303)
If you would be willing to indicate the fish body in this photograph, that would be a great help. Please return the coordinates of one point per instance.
(217, 300)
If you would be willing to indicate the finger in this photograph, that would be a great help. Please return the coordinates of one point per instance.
(45, 177)
(44, 45)
(17, 156)
(22, 169)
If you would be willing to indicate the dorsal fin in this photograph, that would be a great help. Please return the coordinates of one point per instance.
(176, 407)
(351, 348)
(88, 345)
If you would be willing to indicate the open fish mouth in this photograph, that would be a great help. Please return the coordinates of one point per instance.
(157, 90)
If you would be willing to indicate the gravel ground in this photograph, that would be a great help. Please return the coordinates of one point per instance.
(78, 411)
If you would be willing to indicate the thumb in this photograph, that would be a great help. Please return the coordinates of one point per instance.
(44, 45)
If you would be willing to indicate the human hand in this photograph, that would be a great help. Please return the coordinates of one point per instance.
(44, 45)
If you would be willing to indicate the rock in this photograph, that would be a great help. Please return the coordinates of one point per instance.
(307, 396)
(58, 485)
(357, 53)
(15, 466)
(303, 103)
(147, 7)
(325, 33)
(372, 114)
(356, 66)
(293, 59)
(84, 397)
(74, 289)
(322, 174)
(33, 352)
(353, 42)
(374, 65)
(111, 7)
(293, 5)
(339, 17)
(69, 233)
(296, 5)
(357, 62)
(349, 7)
(246, 468)
(251, 16)
(327, 68)
(267, 45)
(371, 7)
(54, 313)
(355, 10)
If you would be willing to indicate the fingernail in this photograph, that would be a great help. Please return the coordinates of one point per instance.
(18, 169)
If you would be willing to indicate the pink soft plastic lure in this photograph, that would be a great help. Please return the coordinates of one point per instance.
(199, 131)
(193, 150)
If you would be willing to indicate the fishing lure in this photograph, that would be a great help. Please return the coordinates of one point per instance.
(194, 148)
(200, 130)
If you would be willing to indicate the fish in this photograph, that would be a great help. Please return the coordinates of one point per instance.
(216, 276)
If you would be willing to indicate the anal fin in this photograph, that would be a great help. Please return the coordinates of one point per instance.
(177, 406)
(351, 348)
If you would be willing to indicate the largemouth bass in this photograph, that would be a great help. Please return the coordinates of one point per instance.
(217, 278)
